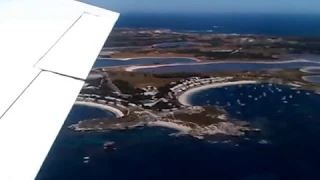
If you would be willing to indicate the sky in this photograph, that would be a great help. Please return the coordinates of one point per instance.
(210, 6)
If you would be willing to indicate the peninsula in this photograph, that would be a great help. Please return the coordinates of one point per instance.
(161, 98)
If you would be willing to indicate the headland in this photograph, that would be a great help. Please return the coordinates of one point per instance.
(162, 98)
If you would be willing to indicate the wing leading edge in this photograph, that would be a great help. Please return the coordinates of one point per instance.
(43, 68)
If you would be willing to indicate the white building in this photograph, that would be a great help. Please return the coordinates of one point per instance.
(102, 101)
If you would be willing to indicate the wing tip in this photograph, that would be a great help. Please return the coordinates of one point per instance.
(92, 9)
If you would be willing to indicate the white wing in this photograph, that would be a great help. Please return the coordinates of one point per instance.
(47, 49)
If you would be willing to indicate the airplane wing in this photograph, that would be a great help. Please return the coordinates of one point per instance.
(47, 49)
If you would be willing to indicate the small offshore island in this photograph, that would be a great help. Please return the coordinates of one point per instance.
(163, 98)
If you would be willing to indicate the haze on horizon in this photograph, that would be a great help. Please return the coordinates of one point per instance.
(210, 6)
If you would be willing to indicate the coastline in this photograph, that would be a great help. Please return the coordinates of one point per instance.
(312, 78)
(170, 125)
(184, 98)
(116, 111)
(137, 67)
(150, 57)
(309, 69)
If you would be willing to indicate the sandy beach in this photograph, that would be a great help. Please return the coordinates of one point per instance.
(310, 69)
(170, 125)
(312, 78)
(184, 98)
(137, 67)
(116, 111)
(151, 57)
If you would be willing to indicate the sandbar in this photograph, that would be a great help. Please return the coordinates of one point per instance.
(137, 67)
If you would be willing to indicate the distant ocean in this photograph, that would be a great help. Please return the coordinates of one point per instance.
(267, 24)
(287, 148)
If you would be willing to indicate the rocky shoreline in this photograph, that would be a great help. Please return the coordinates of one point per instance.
(220, 124)
(167, 106)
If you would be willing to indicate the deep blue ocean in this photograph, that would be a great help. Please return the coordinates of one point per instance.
(288, 118)
(287, 147)
(267, 24)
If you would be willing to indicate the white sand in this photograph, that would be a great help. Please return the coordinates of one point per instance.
(310, 78)
(309, 69)
(133, 68)
(151, 57)
(184, 98)
(170, 125)
(294, 85)
(116, 111)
